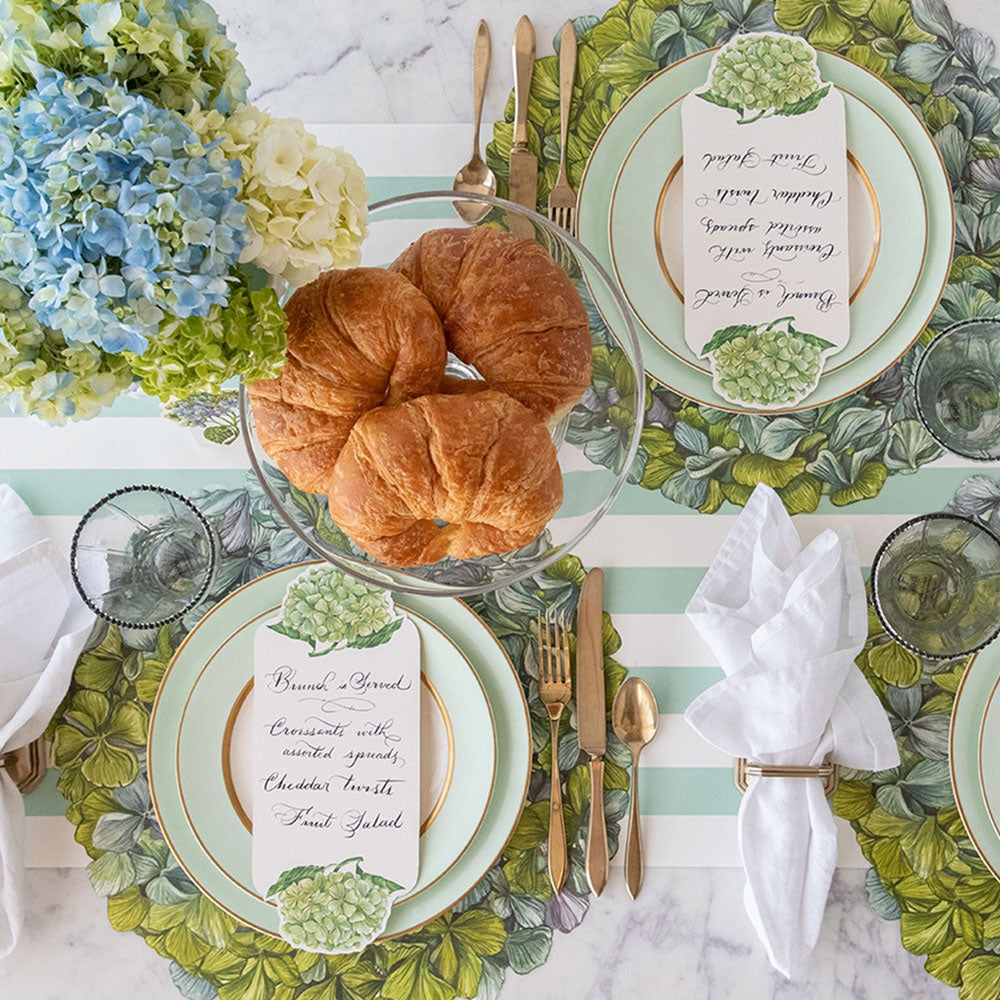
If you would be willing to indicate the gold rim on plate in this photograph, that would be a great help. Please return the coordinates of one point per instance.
(937, 298)
(524, 794)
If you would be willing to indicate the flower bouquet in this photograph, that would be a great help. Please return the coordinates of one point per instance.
(148, 214)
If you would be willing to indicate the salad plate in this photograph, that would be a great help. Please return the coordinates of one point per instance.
(475, 753)
(989, 743)
(973, 722)
(901, 219)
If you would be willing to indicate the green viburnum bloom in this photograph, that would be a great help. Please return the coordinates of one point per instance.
(324, 606)
(765, 365)
(331, 910)
(762, 74)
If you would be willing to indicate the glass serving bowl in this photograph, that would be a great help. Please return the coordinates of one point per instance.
(596, 442)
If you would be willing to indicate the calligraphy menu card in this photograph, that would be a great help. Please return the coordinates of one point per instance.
(766, 277)
(336, 804)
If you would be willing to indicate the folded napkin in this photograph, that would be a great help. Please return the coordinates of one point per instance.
(786, 623)
(43, 626)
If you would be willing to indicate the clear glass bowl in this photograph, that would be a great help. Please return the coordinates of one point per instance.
(596, 445)
(957, 388)
(936, 585)
(143, 556)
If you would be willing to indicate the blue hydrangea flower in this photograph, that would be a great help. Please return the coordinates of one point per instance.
(116, 214)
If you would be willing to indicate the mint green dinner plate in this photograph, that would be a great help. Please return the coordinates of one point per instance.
(988, 756)
(475, 724)
(968, 728)
(633, 158)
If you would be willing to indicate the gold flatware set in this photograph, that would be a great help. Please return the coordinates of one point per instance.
(634, 717)
(476, 176)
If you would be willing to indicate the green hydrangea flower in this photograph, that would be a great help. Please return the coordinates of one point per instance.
(244, 338)
(766, 365)
(45, 376)
(761, 74)
(331, 910)
(325, 607)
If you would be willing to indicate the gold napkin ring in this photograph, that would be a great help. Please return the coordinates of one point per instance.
(26, 765)
(744, 770)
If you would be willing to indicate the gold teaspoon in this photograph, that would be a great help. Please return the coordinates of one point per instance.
(475, 176)
(635, 717)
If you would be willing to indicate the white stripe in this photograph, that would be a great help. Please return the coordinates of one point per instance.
(676, 744)
(122, 443)
(710, 842)
(688, 540)
(393, 149)
(656, 640)
(49, 843)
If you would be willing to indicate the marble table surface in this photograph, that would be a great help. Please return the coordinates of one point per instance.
(688, 935)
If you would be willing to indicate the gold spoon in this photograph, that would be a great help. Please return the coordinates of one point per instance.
(475, 176)
(635, 717)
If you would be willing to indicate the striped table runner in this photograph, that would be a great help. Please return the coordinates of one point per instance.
(654, 550)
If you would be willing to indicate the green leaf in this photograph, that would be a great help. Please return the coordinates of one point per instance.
(127, 910)
(894, 664)
(110, 766)
(291, 876)
(383, 635)
(753, 469)
(713, 98)
(383, 882)
(810, 103)
(532, 828)
(927, 847)
(98, 668)
(528, 948)
(802, 494)
(287, 630)
(129, 722)
(980, 978)
(870, 481)
(853, 799)
(926, 933)
(414, 979)
(111, 873)
(946, 964)
(479, 930)
(727, 333)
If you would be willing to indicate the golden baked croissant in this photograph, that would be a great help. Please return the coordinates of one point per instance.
(356, 339)
(483, 463)
(509, 310)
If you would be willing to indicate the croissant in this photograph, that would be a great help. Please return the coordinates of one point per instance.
(356, 340)
(509, 311)
(482, 463)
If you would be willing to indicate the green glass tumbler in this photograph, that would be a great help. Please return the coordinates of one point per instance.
(957, 388)
(936, 585)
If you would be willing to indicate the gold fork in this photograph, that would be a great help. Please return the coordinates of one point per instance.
(562, 198)
(554, 688)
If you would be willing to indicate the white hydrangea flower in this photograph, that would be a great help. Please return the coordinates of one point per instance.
(307, 204)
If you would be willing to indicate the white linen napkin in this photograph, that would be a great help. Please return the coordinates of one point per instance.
(786, 623)
(43, 626)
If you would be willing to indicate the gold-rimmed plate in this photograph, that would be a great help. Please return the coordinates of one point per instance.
(908, 247)
(475, 757)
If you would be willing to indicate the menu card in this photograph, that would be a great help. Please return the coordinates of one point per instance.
(336, 760)
(766, 277)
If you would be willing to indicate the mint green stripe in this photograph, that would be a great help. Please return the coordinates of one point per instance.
(73, 491)
(46, 799)
(391, 187)
(676, 687)
(688, 791)
(650, 589)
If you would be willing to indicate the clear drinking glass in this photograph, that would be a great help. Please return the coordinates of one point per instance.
(596, 444)
(958, 388)
(143, 556)
(936, 585)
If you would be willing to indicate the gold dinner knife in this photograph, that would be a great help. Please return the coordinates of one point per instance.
(592, 719)
(523, 163)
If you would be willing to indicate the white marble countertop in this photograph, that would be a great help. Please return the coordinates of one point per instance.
(688, 935)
